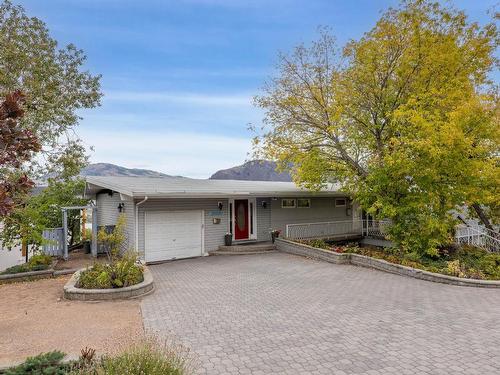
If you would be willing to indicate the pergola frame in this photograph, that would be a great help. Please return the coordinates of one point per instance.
(93, 247)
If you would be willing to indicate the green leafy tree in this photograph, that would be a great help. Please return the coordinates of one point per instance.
(53, 84)
(45, 211)
(406, 118)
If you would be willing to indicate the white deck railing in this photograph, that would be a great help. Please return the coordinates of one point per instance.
(477, 236)
(325, 229)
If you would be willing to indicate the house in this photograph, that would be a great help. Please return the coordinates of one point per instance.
(173, 218)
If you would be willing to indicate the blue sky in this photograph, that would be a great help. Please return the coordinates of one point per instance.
(178, 76)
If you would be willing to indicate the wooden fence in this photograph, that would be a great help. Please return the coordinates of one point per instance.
(54, 241)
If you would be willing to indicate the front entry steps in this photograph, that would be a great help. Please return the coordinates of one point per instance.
(245, 249)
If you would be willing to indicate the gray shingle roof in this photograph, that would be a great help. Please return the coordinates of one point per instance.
(188, 187)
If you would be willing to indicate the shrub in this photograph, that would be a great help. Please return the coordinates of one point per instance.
(114, 243)
(42, 364)
(122, 273)
(321, 244)
(37, 262)
(40, 260)
(149, 356)
(16, 269)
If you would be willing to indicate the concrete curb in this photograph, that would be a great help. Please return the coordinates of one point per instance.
(71, 292)
(291, 247)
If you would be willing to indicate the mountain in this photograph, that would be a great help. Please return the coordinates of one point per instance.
(106, 169)
(254, 170)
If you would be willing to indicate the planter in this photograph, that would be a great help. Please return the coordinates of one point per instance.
(274, 234)
(379, 264)
(228, 239)
(71, 292)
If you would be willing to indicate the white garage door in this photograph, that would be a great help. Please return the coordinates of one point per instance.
(173, 234)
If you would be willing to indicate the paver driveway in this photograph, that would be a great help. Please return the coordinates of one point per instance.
(284, 314)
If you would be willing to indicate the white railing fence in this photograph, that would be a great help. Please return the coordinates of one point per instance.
(477, 236)
(325, 229)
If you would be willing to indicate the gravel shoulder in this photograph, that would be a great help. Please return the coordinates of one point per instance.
(34, 318)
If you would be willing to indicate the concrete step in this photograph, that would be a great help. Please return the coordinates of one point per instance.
(266, 246)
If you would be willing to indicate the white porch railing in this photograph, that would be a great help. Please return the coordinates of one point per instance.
(325, 229)
(476, 236)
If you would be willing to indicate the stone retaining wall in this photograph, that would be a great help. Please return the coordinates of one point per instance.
(291, 247)
(73, 293)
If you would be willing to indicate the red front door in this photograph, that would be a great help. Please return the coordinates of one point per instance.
(241, 219)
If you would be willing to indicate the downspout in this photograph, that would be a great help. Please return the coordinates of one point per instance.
(137, 222)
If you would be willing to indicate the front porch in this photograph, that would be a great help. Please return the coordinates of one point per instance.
(345, 230)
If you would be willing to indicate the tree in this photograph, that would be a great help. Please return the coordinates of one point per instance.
(44, 211)
(405, 118)
(53, 84)
(17, 145)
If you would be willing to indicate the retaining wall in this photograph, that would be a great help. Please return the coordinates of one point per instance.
(291, 247)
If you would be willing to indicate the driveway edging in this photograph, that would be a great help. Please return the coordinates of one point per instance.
(296, 248)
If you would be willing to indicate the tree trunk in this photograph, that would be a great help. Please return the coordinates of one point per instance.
(482, 216)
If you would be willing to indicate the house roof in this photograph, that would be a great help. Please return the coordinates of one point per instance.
(177, 187)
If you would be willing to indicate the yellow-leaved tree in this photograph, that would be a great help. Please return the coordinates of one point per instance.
(405, 118)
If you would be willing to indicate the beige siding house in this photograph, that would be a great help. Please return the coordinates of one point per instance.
(173, 218)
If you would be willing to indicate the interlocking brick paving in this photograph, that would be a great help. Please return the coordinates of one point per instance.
(284, 314)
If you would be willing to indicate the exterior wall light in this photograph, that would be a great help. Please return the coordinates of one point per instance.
(121, 207)
(220, 205)
(264, 204)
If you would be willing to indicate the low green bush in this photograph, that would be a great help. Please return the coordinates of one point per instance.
(37, 262)
(121, 273)
(40, 260)
(42, 364)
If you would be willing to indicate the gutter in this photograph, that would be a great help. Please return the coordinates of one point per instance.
(137, 222)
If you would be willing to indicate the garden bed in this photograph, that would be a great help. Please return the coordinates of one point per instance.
(39, 266)
(73, 292)
(352, 257)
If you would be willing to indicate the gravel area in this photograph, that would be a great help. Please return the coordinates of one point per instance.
(78, 259)
(34, 318)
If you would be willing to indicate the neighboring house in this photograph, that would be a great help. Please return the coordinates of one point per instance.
(173, 218)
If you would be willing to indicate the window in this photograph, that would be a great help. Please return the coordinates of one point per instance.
(288, 203)
(340, 202)
(303, 203)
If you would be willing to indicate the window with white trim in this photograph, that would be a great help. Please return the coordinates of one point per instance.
(288, 203)
(303, 203)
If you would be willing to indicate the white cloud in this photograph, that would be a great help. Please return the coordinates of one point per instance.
(188, 154)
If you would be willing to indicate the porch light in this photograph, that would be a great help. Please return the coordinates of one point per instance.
(220, 205)
(264, 204)
(121, 207)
